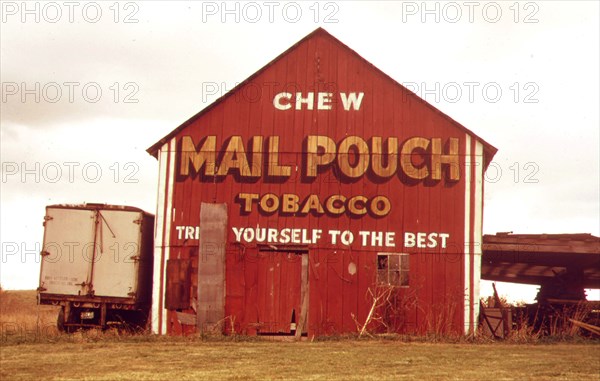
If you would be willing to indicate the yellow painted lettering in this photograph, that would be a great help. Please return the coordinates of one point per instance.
(234, 158)
(362, 156)
(391, 157)
(205, 156)
(289, 203)
(274, 169)
(356, 205)
(451, 159)
(406, 156)
(336, 204)
(269, 203)
(320, 151)
(245, 199)
(312, 203)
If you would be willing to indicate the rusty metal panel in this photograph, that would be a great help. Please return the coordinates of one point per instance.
(211, 266)
(177, 293)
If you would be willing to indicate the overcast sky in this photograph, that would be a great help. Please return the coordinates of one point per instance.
(88, 86)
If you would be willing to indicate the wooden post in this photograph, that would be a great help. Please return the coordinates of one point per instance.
(505, 328)
(304, 289)
(103, 315)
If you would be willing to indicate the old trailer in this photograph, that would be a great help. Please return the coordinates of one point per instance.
(318, 197)
(97, 265)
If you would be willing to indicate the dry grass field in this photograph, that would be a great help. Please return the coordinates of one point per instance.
(19, 312)
(27, 354)
(339, 360)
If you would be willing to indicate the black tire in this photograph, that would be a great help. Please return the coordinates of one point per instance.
(60, 320)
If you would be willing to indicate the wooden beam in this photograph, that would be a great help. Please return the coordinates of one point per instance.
(304, 294)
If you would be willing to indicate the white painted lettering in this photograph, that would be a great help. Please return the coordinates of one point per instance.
(238, 233)
(444, 236)
(324, 101)
(309, 100)
(426, 240)
(334, 235)
(282, 101)
(389, 239)
(180, 230)
(285, 236)
(409, 239)
(351, 100)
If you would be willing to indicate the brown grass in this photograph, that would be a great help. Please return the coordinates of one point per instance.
(29, 353)
(20, 314)
(178, 359)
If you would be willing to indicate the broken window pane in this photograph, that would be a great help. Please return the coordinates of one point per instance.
(393, 269)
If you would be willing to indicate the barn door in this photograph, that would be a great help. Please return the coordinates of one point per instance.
(279, 292)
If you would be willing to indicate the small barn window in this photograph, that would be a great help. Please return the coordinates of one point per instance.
(392, 269)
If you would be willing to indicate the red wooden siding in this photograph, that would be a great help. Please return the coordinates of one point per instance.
(262, 286)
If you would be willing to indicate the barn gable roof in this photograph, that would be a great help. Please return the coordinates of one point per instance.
(489, 150)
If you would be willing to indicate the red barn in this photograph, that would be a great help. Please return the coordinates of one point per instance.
(317, 197)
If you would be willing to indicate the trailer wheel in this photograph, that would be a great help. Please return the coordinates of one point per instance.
(60, 320)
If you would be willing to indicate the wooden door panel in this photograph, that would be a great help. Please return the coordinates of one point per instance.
(278, 289)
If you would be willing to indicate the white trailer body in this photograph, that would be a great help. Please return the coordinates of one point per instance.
(97, 263)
